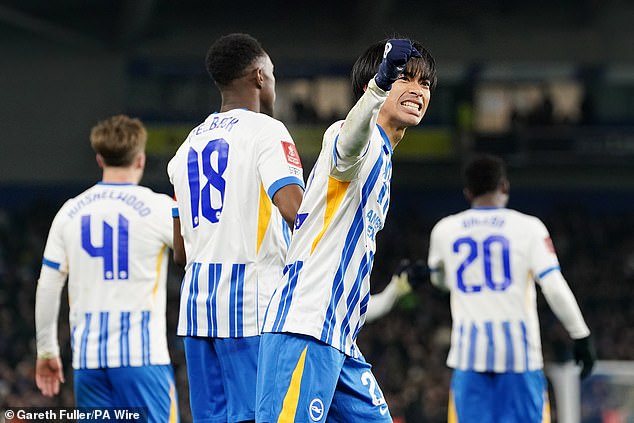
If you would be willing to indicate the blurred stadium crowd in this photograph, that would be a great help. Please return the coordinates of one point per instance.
(408, 346)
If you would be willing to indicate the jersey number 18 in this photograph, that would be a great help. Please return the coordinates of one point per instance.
(202, 199)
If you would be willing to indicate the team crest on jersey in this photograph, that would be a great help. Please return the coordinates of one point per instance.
(316, 410)
(292, 156)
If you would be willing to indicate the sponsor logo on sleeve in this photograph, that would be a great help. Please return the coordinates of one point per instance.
(292, 157)
(295, 171)
(549, 245)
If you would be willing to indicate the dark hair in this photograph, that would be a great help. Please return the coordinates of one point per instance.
(368, 63)
(484, 173)
(230, 56)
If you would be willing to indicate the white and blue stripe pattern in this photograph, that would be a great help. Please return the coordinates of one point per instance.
(145, 337)
(124, 339)
(287, 294)
(492, 346)
(216, 303)
(108, 339)
(236, 246)
(236, 302)
(350, 245)
(325, 291)
(103, 339)
(116, 269)
(215, 270)
(192, 301)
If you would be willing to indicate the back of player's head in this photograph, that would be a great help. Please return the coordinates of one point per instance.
(118, 139)
(368, 63)
(484, 173)
(230, 56)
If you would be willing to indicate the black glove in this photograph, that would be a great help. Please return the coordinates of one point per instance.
(395, 57)
(417, 272)
(584, 355)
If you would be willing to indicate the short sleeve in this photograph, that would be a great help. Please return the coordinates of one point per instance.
(543, 258)
(278, 161)
(168, 205)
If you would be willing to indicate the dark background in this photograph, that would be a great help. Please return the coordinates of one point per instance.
(556, 78)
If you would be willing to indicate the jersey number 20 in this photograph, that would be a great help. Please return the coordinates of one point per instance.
(202, 198)
(485, 252)
(106, 250)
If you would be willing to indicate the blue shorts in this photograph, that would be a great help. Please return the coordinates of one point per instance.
(150, 387)
(301, 379)
(222, 375)
(498, 397)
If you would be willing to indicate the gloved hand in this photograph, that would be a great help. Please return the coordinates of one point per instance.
(584, 355)
(401, 282)
(395, 57)
(417, 272)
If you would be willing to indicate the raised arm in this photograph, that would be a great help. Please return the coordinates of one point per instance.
(359, 123)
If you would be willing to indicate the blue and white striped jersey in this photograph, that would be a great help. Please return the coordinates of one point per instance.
(491, 258)
(112, 241)
(225, 175)
(326, 287)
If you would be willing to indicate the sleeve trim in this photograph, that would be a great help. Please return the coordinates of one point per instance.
(281, 183)
(51, 264)
(543, 274)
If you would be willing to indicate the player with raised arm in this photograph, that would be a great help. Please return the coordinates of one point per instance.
(111, 242)
(310, 368)
(489, 257)
(238, 182)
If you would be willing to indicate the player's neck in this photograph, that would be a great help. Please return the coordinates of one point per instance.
(239, 100)
(120, 175)
(394, 134)
(490, 200)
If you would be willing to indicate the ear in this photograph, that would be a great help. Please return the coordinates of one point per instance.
(505, 186)
(259, 78)
(139, 162)
(100, 161)
(467, 194)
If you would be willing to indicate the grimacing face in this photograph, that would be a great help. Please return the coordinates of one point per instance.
(267, 95)
(408, 100)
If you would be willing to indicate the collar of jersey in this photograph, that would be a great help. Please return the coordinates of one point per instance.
(487, 208)
(115, 183)
(238, 108)
(386, 140)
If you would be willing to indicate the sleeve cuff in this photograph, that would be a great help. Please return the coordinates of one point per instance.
(376, 89)
(281, 183)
